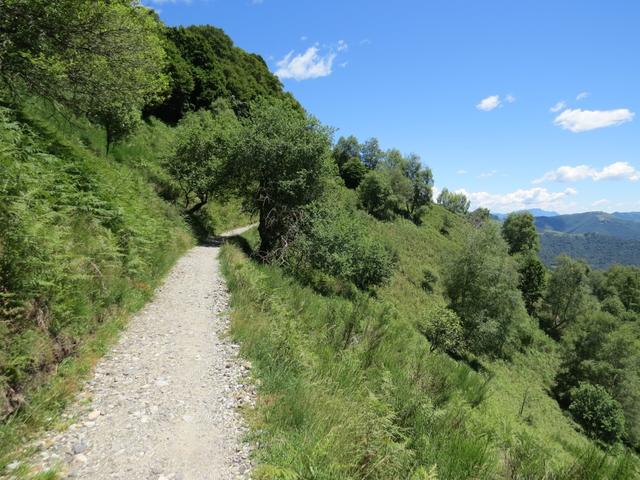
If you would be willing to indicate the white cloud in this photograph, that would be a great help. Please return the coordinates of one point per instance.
(489, 103)
(578, 120)
(615, 171)
(618, 171)
(558, 106)
(510, 98)
(582, 95)
(462, 172)
(365, 41)
(522, 199)
(307, 65)
(344, 64)
(601, 202)
(488, 174)
(303, 38)
(567, 174)
(342, 46)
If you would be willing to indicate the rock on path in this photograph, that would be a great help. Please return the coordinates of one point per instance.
(163, 403)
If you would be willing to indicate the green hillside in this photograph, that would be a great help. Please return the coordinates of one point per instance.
(350, 388)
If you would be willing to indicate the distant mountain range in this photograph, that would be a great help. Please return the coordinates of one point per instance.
(620, 225)
(601, 239)
(536, 212)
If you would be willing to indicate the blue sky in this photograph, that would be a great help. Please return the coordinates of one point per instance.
(520, 104)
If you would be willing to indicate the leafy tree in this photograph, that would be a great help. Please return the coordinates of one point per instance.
(371, 153)
(345, 149)
(352, 172)
(598, 413)
(393, 159)
(103, 58)
(281, 166)
(533, 275)
(482, 284)
(519, 230)
(625, 281)
(454, 202)
(421, 187)
(411, 184)
(566, 294)
(376, 196)
(442, 327)
(206, 146)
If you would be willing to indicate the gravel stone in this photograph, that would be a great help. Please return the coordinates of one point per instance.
(163, 403)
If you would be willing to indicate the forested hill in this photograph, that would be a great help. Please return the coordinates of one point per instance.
(601, 239)
(204, 66)
(598, 250)
(591, 222)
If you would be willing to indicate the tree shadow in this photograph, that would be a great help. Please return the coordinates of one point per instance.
(237, 240)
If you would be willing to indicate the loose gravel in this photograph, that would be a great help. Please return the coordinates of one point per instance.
(163, 404)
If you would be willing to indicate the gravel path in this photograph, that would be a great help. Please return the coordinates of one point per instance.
(162, 404)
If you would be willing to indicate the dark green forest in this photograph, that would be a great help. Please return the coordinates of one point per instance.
(598, 250)
(393, 334)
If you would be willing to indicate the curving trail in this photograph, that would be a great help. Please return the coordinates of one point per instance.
(163, 403)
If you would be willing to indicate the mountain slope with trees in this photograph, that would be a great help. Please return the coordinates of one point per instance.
(591, 222)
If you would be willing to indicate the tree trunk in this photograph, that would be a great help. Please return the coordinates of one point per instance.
(197, 207)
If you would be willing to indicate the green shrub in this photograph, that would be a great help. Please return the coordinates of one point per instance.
(442, 327)
(336, 242)
(599, 414)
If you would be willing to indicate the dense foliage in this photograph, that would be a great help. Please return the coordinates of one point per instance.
(280, 167)
(204, 66)
(388, 183)
(335, 243)
(103, 59)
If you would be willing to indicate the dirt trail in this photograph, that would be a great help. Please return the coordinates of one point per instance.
(162, 404)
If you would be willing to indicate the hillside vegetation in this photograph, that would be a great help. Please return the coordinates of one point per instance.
(352, 387)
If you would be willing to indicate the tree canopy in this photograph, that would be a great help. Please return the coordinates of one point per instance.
(281, 167)
(104, 59)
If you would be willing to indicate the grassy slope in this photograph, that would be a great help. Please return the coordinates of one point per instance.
(381, 407)
(84, 240)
